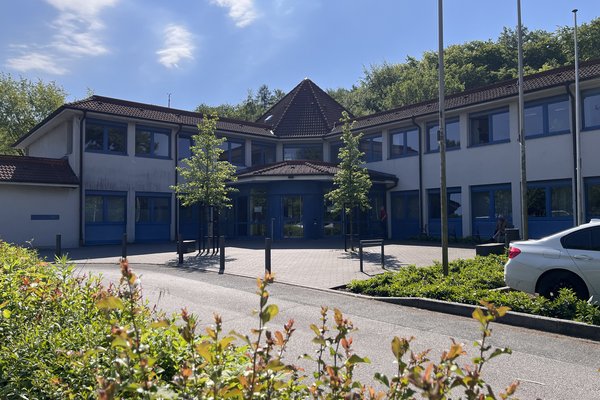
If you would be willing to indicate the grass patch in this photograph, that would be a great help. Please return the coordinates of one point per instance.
(469, 282)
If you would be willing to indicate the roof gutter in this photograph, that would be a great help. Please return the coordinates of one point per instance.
(421, 208)
(81, 140)
(177, 233)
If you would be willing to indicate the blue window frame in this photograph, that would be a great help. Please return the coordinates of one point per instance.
(105, 207)
(489, 127)
(334, 151)
(592, 198)
(404, 142)
(234, 151)
(372, 146)
(105, 137)
(549, 207)
(547, 117)
(454, 211)
(591, 109)
(263, 153)
(184, 146)
(452, 135)
(152, 142)
(313, 152)
(487, 204)
(152, 208)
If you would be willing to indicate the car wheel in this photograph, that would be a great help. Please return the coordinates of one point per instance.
(552, 283)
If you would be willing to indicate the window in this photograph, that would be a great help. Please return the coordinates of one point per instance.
(234, 151)
(452, 135)
(334, 151)
(152, 142)
(404, 143)
(489, 127)
(263, 153)
(153, 209)
(550, 200)
(372, 147)
(584, 239)
(549, 117)
(592, 206)
(312, 152)
(488, 203)
(105, 137)
(184, 145)
(105, 208)
(454, 203)
(591, 110)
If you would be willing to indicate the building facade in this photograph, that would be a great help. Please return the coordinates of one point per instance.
(121, 158)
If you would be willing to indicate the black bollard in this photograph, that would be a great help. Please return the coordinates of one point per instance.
(58, 251)
(124, 247)
(222, 253)
(180, 249)
(268, 244)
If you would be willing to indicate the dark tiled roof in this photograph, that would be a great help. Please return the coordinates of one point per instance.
(298, 168)
(36, 170)
(107, 105)
(305, 111)
(543, 80)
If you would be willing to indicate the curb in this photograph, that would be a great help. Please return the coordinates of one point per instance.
(513, 318)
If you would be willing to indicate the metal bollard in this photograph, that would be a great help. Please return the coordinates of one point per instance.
(382, 255)
(268, 244)
(222, 253)
(180, 249)
(58, 251)
(124, 247)
(360, 256)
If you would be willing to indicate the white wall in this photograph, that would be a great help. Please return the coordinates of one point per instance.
(19, 202)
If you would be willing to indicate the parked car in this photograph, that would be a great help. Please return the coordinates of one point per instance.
(567, 259)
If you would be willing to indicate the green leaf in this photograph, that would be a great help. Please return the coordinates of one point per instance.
(163, 323)
(6, 313)
(354, 359)
(269, 313)
(110, 303)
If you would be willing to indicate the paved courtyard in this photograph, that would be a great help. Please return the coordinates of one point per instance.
(321, 264)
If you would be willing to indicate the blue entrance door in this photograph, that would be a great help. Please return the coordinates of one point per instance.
(152, 217)
(105, 220)
(293, 223)
(405, 215)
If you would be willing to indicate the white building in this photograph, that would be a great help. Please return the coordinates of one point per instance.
(121, 157)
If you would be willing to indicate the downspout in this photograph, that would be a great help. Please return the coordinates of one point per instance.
(81, 139)
(177, 232)
(421, 208)
(574, 183)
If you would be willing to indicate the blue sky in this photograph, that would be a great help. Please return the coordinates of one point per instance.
(213, 51)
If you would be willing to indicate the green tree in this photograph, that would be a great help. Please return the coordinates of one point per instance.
(351, 182)
(250, 109)
(23, 104)
(205, 177)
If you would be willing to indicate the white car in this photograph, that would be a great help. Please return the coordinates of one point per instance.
(570, 259)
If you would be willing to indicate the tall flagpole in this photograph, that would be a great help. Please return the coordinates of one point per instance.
(442, 140)
(523, 200)
(579, 184)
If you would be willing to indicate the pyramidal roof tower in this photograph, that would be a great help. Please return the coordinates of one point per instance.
(305, 111)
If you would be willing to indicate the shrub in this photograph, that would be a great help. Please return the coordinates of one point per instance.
(470, 281)
(69, 337)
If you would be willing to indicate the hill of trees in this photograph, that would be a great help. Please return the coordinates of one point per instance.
(468, 65)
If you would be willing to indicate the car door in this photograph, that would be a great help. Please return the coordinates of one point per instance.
(584, 248)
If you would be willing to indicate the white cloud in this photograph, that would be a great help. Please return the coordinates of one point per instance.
(178, 45)
(36, 61)
(242, 12)
(78, 31)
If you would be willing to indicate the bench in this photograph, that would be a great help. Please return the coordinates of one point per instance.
(489, 248)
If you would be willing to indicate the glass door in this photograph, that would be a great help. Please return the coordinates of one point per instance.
(293, 226)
